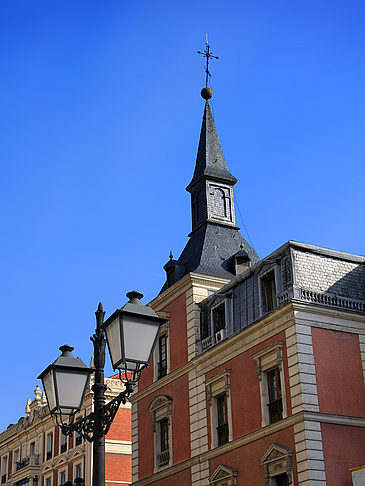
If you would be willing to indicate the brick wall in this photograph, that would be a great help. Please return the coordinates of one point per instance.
(343, 448)
(340, 381)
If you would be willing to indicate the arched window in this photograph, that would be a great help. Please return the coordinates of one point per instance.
(161, 409)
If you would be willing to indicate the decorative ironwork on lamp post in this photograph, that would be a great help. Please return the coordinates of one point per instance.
(131, 333)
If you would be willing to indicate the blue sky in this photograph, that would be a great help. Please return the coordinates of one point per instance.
(100, 119)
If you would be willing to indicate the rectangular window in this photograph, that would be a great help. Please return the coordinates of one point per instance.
(219, 318)
(222, 422)
(32, 448)
(268, 291)
(4, 469)
(49, 446)
(275, 404)
(62, 478)
(78, 438)
(162, 351)
(48, 482)
(63, 443)
(78, 472)
(164, 435)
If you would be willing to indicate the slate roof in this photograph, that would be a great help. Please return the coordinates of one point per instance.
(210, 160)
(208, 250)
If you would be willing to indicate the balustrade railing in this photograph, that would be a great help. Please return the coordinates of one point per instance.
(31, 460)
(163, 458)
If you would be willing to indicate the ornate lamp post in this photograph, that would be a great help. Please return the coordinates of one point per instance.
(131, 333)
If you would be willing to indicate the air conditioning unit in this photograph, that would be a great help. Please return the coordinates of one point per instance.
(220, 335)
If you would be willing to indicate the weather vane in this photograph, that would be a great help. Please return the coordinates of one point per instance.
(208, 55)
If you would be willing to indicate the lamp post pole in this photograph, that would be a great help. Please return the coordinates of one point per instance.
(99, 388)
(133, 323)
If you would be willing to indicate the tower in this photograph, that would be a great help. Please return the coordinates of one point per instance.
(215, 247)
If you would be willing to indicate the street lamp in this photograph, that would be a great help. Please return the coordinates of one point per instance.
(131, 333)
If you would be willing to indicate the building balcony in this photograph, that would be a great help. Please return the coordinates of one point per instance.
(163, 458)
(31, 460)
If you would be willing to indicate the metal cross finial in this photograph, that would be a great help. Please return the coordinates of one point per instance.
(208, 55)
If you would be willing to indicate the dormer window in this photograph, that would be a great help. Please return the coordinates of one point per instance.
(268, 291)
(219, 317)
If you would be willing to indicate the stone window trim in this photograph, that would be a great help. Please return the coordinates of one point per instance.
(48, 481)
(161, 409)
(60, 473)
(267, 359)
(223, 476)
(277, 460)
(216, 386)
(275, 268)
(78, 470)
(165, 330)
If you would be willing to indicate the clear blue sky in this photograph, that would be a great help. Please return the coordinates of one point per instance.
(100, 119)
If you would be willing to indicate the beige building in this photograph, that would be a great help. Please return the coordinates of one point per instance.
(34, 452)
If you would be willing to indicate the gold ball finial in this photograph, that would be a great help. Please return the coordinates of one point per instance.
(206, 93)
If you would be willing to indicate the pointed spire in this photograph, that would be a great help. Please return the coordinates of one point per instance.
(210, 159)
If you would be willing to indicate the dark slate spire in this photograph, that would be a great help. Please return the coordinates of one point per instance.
(215, 247)
(210, 159)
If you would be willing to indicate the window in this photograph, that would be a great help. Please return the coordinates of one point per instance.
(269, 363)
(163, 454)
(78, 438)
(32, 448)
(218, 389)
(277, 465)
(275, 403)
(48, 482)
(268, 291)
(4, 469)
(219, 317)
(222, 420)
(49, 447)
(62, 478)
(161, 408)
(162, 351)
(161, 358)
(63, 443)
(16, 459)
(78, 473)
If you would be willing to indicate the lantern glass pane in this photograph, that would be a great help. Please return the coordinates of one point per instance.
(114, 341)
(48, 384)
(139, 338)
(70, 388)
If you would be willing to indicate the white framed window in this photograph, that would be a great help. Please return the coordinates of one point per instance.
(161, 355)
(77, 471)
(63, 443)
(4, 468)
(220, 409)
(16, 459)
(161, 409)
(62, 478)
(49, 446)
(269, 288)
(32, 448)
(270, 372)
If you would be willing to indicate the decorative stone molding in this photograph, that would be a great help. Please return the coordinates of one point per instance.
(223, 476)
(161, 408)
(277, 460)
(267, 359)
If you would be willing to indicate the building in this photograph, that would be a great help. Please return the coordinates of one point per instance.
(258, 376)
(34, 452)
